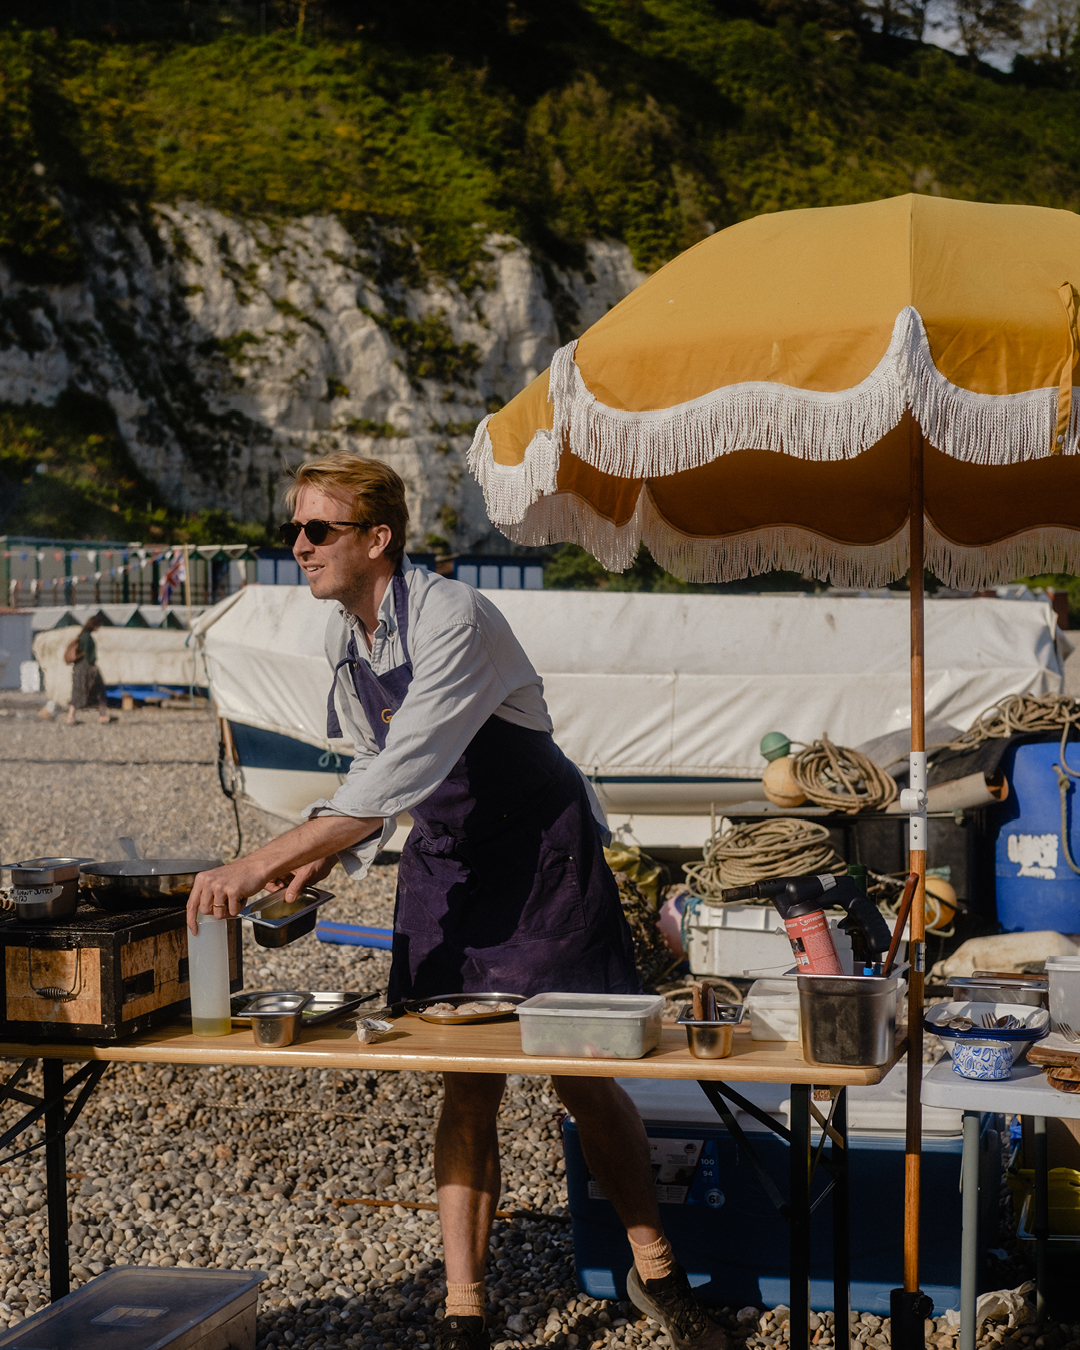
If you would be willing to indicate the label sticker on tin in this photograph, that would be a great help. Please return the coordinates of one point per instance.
(23, 895)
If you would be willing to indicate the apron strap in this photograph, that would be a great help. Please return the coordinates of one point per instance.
(352, 655)
(401, 614)
(333, 725)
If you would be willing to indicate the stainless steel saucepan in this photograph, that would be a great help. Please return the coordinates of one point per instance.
(142, 883)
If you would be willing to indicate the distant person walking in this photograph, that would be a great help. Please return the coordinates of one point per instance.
(87, 686)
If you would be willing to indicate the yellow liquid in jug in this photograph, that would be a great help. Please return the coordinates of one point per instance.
(211, 1026)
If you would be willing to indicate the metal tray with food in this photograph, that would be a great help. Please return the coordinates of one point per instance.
(463, 1009)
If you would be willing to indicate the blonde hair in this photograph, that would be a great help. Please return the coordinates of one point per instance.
(376, 492)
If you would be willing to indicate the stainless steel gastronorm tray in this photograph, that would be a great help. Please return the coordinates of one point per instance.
(324, 1006)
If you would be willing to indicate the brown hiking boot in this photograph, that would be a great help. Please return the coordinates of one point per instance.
(462, 1333)
(671, 1302)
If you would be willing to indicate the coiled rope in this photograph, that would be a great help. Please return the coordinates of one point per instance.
(841, 779)
(1020, 713)
(783, 847)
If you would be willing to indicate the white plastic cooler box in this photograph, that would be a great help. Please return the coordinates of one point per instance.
(148, 1308)
(743, 941)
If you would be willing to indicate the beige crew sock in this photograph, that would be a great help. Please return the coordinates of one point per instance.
(654, 1260)
(465, 1300)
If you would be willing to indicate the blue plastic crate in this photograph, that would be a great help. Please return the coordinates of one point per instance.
(733, 1243)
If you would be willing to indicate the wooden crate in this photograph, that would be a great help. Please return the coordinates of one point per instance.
(97, 976)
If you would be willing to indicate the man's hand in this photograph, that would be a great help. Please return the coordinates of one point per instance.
(293, 861)
(223, 890)
(307, 875)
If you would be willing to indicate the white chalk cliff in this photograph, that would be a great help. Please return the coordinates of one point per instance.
(227, 348)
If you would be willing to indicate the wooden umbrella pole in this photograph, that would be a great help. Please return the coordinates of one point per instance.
(916, 943)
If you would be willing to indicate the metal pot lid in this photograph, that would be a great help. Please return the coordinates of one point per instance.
(150, 867)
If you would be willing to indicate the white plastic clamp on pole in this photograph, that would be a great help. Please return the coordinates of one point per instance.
(913, 801)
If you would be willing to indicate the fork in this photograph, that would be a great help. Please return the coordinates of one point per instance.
(1067, 1031)
(1004, 1023)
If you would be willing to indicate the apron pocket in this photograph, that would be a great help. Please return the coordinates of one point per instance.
(515, 906)
(432, 883)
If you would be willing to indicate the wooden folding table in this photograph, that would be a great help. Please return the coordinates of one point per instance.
(482, 1048)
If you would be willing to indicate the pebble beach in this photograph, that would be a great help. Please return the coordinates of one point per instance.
(322, 1179)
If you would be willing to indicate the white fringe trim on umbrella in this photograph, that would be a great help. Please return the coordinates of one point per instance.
(806, 423)
(510, 490)
(565, 517)
(975, 428)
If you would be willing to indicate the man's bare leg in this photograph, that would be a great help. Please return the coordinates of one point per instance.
(467, 1174)
(616, 1150)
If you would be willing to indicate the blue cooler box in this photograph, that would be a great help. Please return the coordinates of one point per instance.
(734, 1245)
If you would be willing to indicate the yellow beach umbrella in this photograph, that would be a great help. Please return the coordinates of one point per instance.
(847, 392)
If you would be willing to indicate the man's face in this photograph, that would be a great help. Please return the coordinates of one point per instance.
(339, 568)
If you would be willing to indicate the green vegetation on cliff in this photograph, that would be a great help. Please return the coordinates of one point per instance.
(424, 126)
(653, 121)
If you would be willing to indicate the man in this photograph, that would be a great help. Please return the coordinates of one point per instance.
(502, 883)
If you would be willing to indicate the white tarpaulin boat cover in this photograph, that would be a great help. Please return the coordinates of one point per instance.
(663, 699)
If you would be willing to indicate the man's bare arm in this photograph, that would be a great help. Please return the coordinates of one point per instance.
(225, 889)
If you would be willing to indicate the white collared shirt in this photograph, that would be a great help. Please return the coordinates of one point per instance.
(467, 666)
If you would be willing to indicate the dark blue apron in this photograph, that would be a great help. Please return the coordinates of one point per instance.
(502, 885)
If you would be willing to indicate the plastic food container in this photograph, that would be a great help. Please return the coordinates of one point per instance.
(773, 1006)
(1064, 976)
(144, 1308)
(591, 1026)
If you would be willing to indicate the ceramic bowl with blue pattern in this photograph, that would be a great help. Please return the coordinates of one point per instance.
(997, 1035)
(990, 1061)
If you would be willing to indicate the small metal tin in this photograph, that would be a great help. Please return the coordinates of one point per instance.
(44, 889)
(276, 922)
(323, 1005)
(712, 1040)
(43, 904)
(276, 1018)
(995, 989)
(37, 872)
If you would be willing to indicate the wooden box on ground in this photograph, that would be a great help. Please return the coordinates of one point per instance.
(97, 976)
(147, 1308)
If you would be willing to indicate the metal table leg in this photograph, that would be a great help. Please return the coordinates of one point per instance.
(841, 1226)
(1042, 1215)
(57, 1122)
(969, 1230)
(799, 1200)
(56, 1178)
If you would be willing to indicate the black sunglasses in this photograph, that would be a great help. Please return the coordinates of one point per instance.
(316, 530)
